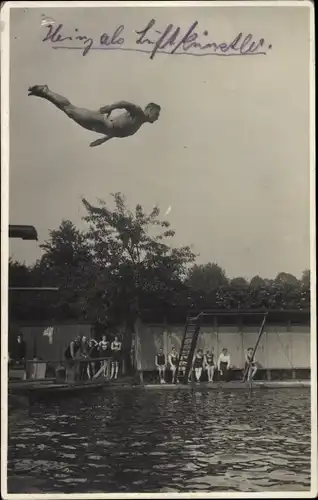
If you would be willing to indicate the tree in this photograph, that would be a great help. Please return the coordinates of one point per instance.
(206, 277)
(66, 263)
(286, 279)
(239, 282)
(305, 278)
(257, 281)
(28, 305)
(132, 248)
(19, 274)
(65, 248)
(124, 263)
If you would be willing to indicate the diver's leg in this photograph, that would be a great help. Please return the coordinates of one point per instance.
(59, 101)
(91, 120)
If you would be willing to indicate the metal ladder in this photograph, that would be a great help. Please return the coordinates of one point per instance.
(188, 346)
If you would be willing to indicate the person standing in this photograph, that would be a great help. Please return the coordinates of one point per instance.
(17, 354)
(72, 348)
(116, 348)
(224, 365)
(93, 354)
(103, 347)
(19, 350)
(109, 360)
(71, 354)
(84, 353)
(160, 362)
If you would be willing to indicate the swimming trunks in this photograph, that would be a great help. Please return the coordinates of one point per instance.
(198, 362)
(223, 366)
(174, 359)
(67, 352)
(116, 351)
(210, 360)
(160, 359)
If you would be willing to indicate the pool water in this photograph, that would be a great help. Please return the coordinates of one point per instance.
(131, 440)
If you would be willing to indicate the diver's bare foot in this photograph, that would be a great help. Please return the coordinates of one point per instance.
(38, 90)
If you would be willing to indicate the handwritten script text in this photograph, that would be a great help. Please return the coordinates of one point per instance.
(150, 40)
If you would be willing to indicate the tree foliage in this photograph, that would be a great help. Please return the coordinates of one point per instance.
(286, 279)
(124, 262)
(239, 282)
(305, 278)
(257, 282)
(206, 277)
(132, 248)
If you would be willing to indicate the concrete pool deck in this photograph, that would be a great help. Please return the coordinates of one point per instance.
(45, 390)
(279, 384)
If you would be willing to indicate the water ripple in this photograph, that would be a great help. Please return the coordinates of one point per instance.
(163, 441)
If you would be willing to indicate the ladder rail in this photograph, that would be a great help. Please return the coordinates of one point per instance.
(196, 324)
(182, 345)
(191, 353)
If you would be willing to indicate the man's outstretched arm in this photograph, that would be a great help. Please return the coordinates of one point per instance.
(131, 108)
(99, 141)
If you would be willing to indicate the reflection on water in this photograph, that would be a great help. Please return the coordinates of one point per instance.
(163, 441)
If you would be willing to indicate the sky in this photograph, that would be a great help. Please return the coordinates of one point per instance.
(229, 154)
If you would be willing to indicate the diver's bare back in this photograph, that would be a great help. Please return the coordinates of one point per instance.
(100, 121)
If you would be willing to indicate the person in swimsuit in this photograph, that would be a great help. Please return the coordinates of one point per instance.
(173, 361)
(116, 357)
(224, 365)
(250, 365)
(100, 121)
(160, 362)
(109, 355)
(198, 362)
(103, 348)
(71, 354)
(93, 353)
(84, 353)
(72, 348)
(209, 365)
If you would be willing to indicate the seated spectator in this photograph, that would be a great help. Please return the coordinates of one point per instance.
(209, 365)
(250, 368)
(173, 362)
(160, 362)
(224, 365)
(198, 363)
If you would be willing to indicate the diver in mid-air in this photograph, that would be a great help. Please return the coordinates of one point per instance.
(100, 121)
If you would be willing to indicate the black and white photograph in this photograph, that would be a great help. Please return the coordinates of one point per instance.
(158, 272)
